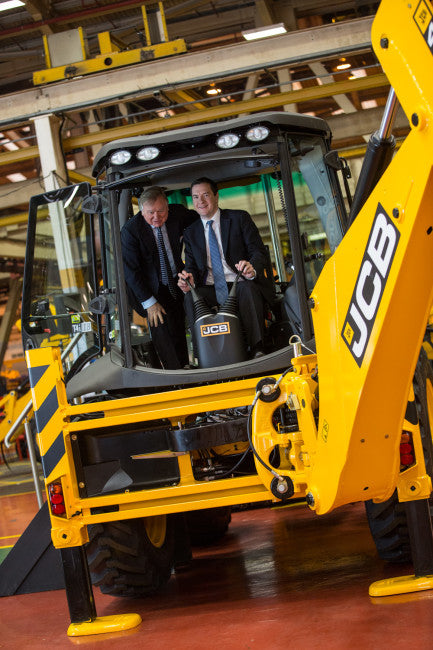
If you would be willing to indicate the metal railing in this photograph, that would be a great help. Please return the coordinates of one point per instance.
(29, 438)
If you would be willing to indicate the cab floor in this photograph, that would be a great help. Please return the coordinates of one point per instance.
(280, 578)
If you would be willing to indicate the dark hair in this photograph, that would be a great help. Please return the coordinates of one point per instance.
(150, 195)
(204, 179)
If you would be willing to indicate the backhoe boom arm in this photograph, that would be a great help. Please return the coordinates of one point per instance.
(372, 300)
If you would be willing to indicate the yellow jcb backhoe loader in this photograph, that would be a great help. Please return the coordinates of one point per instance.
(137, 458)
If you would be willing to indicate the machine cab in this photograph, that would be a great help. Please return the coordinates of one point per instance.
(276, 166)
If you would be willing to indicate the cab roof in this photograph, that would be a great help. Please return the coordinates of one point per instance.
(289, 122)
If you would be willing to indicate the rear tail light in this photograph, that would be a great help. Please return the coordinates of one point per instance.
(407, 455)
(57, 502)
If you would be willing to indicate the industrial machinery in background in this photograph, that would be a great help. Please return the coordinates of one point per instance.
(132, 454)
(66, 52)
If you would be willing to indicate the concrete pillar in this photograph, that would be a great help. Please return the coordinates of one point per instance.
(285, 13)
(284, 77)
(263, 14)
(54, 176)
(50, 153)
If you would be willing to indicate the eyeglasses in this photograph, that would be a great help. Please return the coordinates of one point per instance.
(151, 213)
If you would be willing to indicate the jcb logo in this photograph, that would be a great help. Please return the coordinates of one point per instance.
(424, 19)
(370, 284)
(213, 330)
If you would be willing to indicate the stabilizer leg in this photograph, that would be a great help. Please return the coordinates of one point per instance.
(81, 602)
(421, 542)
(33, 564)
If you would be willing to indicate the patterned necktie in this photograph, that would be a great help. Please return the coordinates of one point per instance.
(166, 273)
(220, 283)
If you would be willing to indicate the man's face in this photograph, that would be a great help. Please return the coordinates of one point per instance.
(155, 213)
(204, 200)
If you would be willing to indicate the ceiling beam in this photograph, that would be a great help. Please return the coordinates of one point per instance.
(233, 61)
(363, 123)
(12, 249)
(214, 113)
(183, 7)
(341, 100)
(188, 99)
(65, 19)
(39, 11)
(225, 110)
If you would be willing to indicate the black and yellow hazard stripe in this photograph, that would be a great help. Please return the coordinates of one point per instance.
(44, 367)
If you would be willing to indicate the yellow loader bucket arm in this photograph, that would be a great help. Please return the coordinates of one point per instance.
(12, 406)
(369, 332)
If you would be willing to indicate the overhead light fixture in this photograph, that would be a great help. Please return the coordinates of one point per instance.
(213, 90)
(264, 32)
(344, 65)
(15, 178)
(10, 4)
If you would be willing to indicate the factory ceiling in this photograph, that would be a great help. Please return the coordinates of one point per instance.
(323, 66)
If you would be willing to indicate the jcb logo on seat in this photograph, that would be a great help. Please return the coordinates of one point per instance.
(217, 328)
(370, 284)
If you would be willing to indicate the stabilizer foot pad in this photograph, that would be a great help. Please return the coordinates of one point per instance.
(401, 585)
(105, 624)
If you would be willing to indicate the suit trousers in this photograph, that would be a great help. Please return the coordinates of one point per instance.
(250, 309)
(169, 337)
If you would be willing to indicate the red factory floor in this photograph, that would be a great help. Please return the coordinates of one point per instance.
(280, 578)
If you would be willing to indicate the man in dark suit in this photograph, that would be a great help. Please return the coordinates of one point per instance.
(217, 246)
(151, 249)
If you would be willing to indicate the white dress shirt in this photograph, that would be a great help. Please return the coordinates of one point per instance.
(228, 272)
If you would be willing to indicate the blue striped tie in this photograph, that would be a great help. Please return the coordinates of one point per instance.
(220, 283)
(166, 272)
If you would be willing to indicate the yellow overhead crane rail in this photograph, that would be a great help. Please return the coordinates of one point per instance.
(157, 46)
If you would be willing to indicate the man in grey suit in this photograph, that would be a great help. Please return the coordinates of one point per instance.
(217, 246)
(151, 250)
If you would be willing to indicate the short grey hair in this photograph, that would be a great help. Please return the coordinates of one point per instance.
(150, 195)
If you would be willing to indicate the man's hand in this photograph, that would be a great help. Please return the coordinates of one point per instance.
(246, 268)
(183, 284)
(155, 314)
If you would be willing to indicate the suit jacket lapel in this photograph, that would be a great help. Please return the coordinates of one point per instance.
(173, 238)
(149, 238)
(200, 242)
(225, 229)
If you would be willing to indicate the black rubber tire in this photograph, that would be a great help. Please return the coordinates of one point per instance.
(207, 526)
(387, 520)
(123, 561)
(388, 527)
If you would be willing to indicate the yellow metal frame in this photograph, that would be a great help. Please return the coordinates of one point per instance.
(361, 411)
(110, 57)
(105, 625)
(362, 406)
(188, 494)
(13, 406)
(108, 61)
